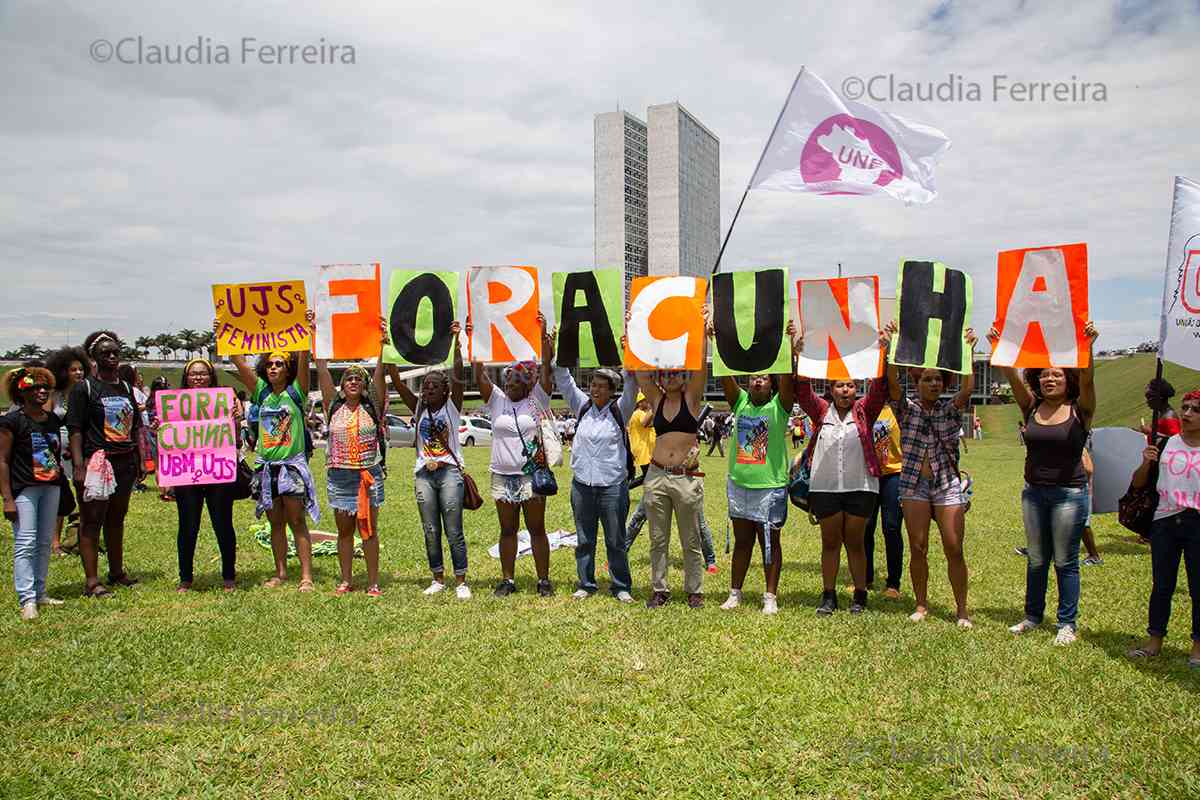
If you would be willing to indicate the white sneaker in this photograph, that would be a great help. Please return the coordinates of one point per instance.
(770, 604)
(1024, 626)
(624, 597)
(735, 600)
(46, 600)
(581, 594)
(965, 623)
(1066, 635)
(29, 610)
(462, 592)
(918, 616)
(434, 587)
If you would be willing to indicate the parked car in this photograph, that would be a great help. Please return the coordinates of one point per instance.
(473, 431)
(400, 433)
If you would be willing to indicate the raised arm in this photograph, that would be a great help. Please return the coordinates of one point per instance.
(406, 394)
(699, 378)
(481, 377)
(545, 377)
(245, 373)
(1087, 378)
(787, 388)
(962, 398)
(628, 400)
(325, 382)
(458, 378)
(1021, 394)
(729, 384)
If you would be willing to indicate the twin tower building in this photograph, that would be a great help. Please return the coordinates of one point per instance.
(658, 193)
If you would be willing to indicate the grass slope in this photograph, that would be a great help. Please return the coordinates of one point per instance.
(156, 694)
(1121, 384)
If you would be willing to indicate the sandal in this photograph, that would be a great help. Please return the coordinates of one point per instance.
(96, 590)
(306, 585)
(273, 582)
(342, 588)
(1142, 652)
(230, 586)
(184, 586)
(123, 579)
(373, 590)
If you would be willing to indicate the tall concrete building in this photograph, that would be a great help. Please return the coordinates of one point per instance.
(620, 195)
(657, 201)
(684, 193)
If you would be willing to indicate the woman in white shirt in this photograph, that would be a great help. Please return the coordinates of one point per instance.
(601, 465)
(517, 409)
(1176, 531)
(438, 481)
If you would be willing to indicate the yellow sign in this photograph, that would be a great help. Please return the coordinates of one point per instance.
(261, 317)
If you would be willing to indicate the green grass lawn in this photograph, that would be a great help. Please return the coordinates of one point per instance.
(155, 694)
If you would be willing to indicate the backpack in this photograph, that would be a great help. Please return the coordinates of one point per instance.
(253, 413)
(616, 415)
(381, 430)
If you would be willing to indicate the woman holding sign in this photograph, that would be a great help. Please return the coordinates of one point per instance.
(104, 425)
(758, 476)
(844, 482)
(355, 412)
(1057, 405)
(930, 485)
(190, 501)
(437, 468)
(517, 410)
(283, 485)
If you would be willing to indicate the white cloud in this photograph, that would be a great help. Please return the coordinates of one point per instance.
(463, 135)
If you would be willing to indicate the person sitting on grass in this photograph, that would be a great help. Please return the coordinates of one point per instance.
(844, 483)
(1057, 405)
(756, 488)
(354, 455)
(437, 467)
(283, 484)
(930, 486)
(1176, 531)
(30, 478)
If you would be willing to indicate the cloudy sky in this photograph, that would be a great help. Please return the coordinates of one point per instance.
(462, 134)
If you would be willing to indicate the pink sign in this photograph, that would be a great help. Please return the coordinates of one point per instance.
(197, 437)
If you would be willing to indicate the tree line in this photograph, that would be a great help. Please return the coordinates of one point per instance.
(167, 345)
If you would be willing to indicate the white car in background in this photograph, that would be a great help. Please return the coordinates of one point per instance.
(473, 431)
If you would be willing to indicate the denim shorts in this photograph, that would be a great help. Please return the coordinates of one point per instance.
(764, 506)
(925, 492)
(515, 489)
(342, 488)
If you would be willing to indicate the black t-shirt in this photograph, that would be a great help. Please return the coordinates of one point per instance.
(36, 457)
(106, 414)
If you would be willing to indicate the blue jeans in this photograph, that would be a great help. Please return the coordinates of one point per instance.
(594, 506)
(1054, 521)
(893, 521)
(440, 501)
(37, 512)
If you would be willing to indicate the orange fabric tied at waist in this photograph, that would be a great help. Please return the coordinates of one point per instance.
(363, 513)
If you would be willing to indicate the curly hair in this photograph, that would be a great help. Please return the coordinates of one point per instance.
(1032, 377)
(14, 376)
(293, 368)
(59, 363)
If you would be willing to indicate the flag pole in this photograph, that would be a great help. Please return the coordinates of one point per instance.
(728, 233)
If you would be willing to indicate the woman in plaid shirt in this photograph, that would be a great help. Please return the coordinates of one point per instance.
(930, 487)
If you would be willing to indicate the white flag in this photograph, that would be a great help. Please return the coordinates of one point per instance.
(1179, 337)
(828, 145)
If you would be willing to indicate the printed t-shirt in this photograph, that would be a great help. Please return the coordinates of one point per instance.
(1178, 478)
(36, 457)
(759, 456)
(437, 435)
(280, 423)
(886, 435)
(106, 419)
(508, 457)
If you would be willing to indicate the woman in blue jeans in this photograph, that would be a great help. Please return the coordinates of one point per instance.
(437, 479)
(1057, 405)
(30, 469)
(1176, 531)
(601, 466)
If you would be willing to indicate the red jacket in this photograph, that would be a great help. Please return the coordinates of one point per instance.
(865, 410)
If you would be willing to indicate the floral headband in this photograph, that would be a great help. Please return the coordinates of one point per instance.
(524, 371)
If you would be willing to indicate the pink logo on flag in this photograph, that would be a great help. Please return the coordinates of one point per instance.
(850, 150)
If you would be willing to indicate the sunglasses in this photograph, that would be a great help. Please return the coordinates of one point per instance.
(1195, 409)
(276, 363)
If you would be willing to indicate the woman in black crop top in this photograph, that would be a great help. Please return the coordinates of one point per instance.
(1057, 405)
(672, 485)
